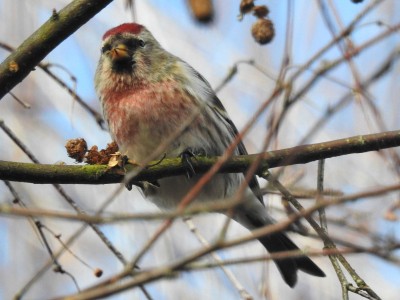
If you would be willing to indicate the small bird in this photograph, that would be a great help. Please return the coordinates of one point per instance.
(146, 94)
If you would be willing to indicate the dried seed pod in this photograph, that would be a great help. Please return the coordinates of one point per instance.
(260, 11)
(76, 149)
(263, 31)
(246, 6)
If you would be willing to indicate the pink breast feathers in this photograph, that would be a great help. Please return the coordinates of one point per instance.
(146, 112)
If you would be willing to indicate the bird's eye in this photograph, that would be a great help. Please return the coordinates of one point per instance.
(106, 48)
(142, 43)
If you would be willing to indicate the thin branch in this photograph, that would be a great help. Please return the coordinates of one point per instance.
(61, 190)
(384, 67)
(45, 66)
(324, 236)
(329, 244)
(98, 117)
(71, 240)
(23, 103)
(334, 63)
(244, 294)
(114, 285)
(196, 208)
(74, 205)
(282, 255)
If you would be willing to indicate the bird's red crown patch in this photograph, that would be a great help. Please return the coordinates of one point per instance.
(126, 27)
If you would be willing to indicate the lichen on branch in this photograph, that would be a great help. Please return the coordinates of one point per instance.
(103, 174)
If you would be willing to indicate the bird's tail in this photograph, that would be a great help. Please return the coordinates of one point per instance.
(288, 267)
(252, 214)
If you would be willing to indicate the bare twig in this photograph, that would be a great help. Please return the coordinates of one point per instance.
(62, 192)
(244, 294)
(23, 103)
(325, 238)
(114, 285)
(46, 68)
(196, 208)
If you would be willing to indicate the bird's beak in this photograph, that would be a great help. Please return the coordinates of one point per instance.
(119, 52)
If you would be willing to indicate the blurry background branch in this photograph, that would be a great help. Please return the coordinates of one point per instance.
(45, 66)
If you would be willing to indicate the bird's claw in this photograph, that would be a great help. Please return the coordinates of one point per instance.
(128, 186)
(143, 185)
(186, 157)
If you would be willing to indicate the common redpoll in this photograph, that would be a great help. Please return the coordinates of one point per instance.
(146, 95)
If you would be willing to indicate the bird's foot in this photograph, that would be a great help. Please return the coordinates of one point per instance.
(148, 185)
(186, 156)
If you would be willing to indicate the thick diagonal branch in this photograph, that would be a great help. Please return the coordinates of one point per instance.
(59, 26)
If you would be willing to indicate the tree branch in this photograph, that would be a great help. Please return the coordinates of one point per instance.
(101, 174)
(60, 25)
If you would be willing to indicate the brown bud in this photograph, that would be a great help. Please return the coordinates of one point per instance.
(98, 272)
(263, 31)
(76, 149)
(13, 66)
(260, 11)
(202, 10)
(246, 6)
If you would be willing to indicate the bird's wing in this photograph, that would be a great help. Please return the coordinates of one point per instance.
(204, 87)
(253, 183)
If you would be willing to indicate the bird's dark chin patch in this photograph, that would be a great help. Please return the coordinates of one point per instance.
(123, 65)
